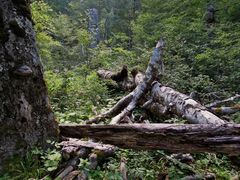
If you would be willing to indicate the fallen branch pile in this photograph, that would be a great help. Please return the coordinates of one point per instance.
(73, 151)
(206, 132)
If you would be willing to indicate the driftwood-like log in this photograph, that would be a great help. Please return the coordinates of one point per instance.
(77, 149)
(118, 76)
(79, 144)
(154, 69)
(121, 78)
(117, 108)
(188, 138)
(225, 110)
(125, 106)
(183, 105)
(225, 102)
(124, 81)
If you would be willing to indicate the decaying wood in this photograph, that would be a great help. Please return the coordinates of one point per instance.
(77, 149)
(123, 168)
(124, 81)
(118, 77)
(225, 102)
(121, 78)
(72, 175)
(79, 144)
(154, 69)
(225, 110)
(125, 106)
(164, 101)
(183, 105)
(117, 108)
(189, 138)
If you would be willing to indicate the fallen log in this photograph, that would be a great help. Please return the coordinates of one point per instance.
(224, 102)
(143, 82)
(183, 105)
(189, 138)
(154, 69)
(76, 149)
(164, 101)
(118, 76)
(225, 110)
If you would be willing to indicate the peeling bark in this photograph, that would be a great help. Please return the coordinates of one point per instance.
(172, 137)
(183, 105)
(142, 82)
(155, 68)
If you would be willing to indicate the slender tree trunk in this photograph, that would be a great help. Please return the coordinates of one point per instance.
(26, 119)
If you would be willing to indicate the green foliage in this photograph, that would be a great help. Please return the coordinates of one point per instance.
(152, 164)
(35, 164)
(75, 94)
(209, 51)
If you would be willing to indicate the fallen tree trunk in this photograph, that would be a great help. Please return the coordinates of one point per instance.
(73, 150)
(173, 137)
(183, 105)
(154, 69)
(127, 104)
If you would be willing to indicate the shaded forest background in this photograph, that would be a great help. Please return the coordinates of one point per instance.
(199, 57)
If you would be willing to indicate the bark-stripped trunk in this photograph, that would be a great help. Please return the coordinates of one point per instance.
(155, 67)
(183, 105)
(163, 102)
(173, 137)
(225, 102)
(127, 104)
(26, 119)
(225, 110)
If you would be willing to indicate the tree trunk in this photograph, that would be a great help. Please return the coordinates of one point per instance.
(183, 105)
(173, 137)
(26, 119)
(154, 69)
(93, 20)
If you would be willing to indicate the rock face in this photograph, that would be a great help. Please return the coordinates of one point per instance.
(93, 20)
(26, 119)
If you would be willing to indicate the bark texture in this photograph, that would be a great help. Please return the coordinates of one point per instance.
(93, 20)
(183, 105)
(26, 118)
(154, 69)
(225, 102)
(173, 137)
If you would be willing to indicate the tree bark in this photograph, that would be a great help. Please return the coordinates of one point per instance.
(225, 102)
(183, 105)
(172, 137)
(141, 82)
(26, 119)
(154, 69)
(225, 110)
